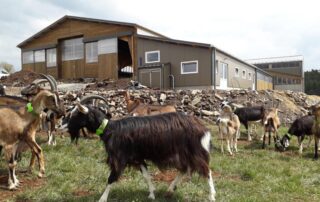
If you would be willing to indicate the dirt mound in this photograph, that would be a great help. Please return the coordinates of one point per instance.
(18, 79)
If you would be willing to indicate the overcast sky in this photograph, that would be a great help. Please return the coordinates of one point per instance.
(245, 28)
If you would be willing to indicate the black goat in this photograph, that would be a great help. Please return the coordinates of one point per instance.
(168, 140)
(247, 114)
(2, 89)
(300, 128)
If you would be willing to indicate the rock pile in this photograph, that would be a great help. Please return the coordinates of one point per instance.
(205, 103)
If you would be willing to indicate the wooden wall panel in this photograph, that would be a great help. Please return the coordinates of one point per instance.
(91, 70)
(108, 66)
(40, 67)
(53, 72)
(73, 28)
(28, 67)
(72, 69)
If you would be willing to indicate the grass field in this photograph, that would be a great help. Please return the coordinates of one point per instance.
(79, 173)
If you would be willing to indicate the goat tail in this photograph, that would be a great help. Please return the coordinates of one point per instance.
(206, 141)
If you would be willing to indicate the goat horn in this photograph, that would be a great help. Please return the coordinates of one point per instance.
(39, 81)
(50, 81)
(54, 81)
(85, 99)
(83, 109)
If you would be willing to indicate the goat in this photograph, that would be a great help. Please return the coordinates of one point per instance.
(88, 100)
(300, 128)
(136, 108)
(50, 118)
(23, 129)
(247, 114)
(168, 140)
(271, 123)
(316, 129)
(229, 127)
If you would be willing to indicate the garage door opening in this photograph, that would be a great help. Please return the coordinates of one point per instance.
(124, 60)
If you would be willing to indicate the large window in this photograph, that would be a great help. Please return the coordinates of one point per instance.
(107, 46)
(72, 49)
(92, 52)
(39, 56)
(51, 57)
(190, 67)
(27, 57)
(152, 56)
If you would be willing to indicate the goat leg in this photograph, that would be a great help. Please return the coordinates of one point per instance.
(269, 138)
(264, 141)
(316, 147)
(113, 177)
(212, 196)
(146, 175)
(39, 154)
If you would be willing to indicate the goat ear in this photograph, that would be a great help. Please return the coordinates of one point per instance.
(83, 109)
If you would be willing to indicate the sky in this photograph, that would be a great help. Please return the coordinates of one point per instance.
(246, 29)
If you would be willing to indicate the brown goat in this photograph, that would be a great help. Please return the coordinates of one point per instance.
(271, 125)
(229, 127)
(20, 126)
(137, 108)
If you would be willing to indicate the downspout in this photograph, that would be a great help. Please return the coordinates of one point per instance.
(213, 68)
(171, 76)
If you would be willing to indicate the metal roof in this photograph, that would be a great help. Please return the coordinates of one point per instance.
(292, 58)
(66, 17)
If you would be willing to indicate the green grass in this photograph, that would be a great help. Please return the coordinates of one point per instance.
(79, 173)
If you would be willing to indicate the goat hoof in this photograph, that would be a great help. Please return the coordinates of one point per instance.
(12, 187)
(40, 174)
(151, 196)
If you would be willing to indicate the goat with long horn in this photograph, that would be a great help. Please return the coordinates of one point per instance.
(23, 129)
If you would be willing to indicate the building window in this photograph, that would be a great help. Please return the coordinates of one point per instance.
(72, 49)
(107, 46)
(152, 56)
(27, 57)
(190, 67)
(39, 56)
(236, 72)
(51, 57)
(249, 76)
(92, 52)
(243, 74)
(284, 81)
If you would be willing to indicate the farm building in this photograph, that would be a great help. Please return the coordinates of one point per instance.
(287, 72)
(76, 47)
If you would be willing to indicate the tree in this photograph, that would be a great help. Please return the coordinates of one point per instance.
(6, 66)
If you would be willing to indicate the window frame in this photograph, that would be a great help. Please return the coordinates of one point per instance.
(188, 62)
(244, 76)
(236, 74)
(24, 57)
(50, 65)
(96, 58)
(148, 52)
(249, 76)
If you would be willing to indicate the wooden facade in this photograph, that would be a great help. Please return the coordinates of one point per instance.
(90, 31)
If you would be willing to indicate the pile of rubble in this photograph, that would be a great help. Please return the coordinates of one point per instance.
(18, 79)
(205, 103)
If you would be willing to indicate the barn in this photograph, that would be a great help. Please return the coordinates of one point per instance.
(77, 47)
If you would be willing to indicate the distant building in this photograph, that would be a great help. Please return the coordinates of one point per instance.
(287, 71)
(77, 47)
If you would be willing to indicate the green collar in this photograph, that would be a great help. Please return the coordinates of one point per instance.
(289, 135)
(29, 108)
(101, 128)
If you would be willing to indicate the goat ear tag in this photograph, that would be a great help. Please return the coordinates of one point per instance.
(29, 107)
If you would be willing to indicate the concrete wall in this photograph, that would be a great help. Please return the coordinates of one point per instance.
(233, 80)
